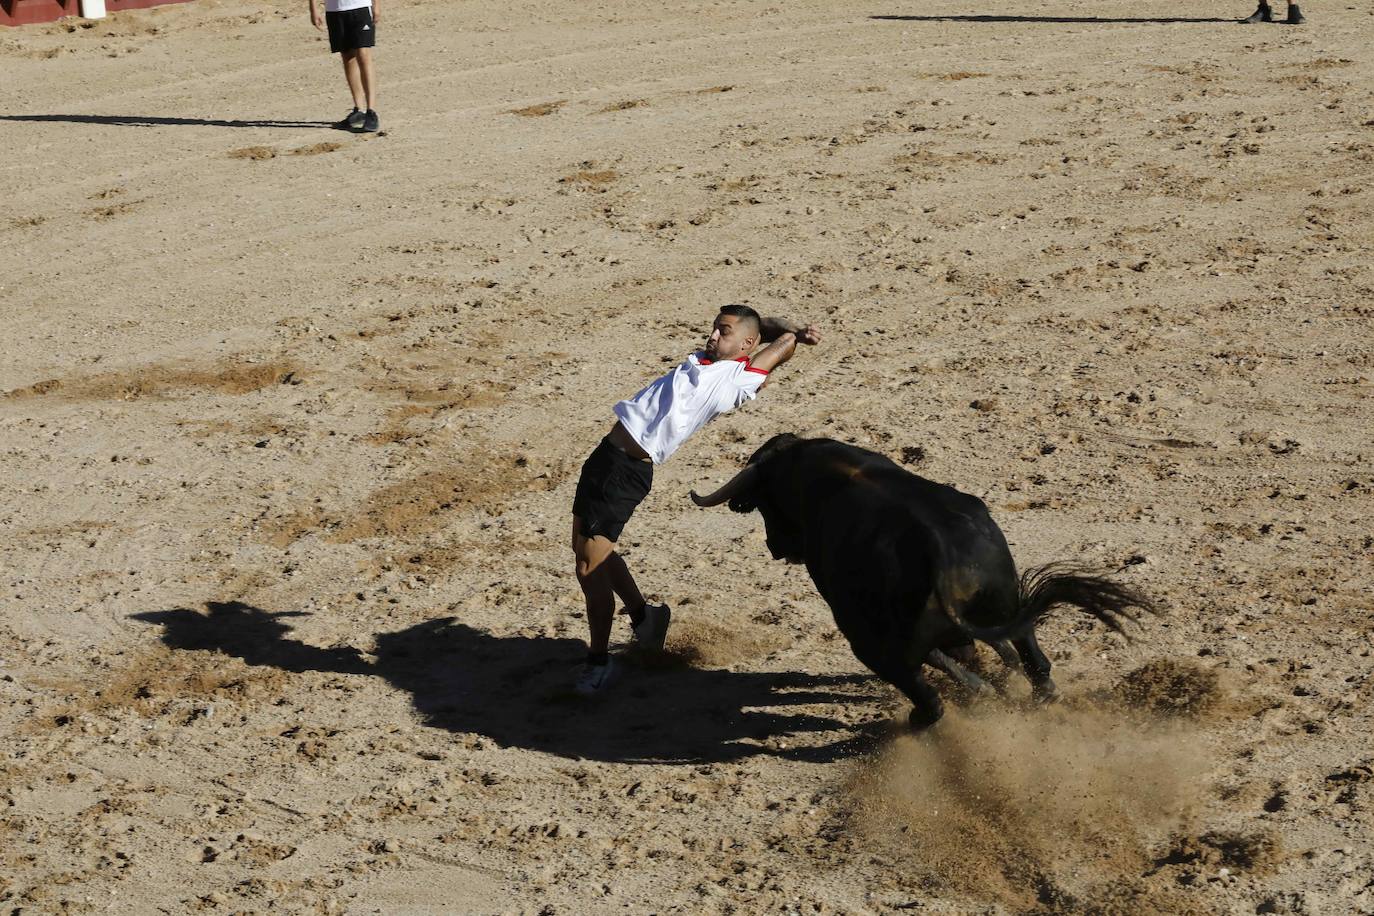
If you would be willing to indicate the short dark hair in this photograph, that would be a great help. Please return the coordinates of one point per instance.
(744, 313)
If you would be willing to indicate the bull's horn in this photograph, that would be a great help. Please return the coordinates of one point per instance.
(731, 489)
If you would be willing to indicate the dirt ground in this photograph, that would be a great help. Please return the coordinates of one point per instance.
(292, 420)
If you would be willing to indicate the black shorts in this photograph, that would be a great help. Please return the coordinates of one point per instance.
(351, 29)
(612, 485)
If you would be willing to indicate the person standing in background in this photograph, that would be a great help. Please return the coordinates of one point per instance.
(352, 26)
(1264, 13)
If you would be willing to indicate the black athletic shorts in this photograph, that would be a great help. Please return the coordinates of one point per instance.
(351, 29)
(612, 485)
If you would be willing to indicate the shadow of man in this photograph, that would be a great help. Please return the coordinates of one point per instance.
(516, 690)
(1070, 20)
(160, 121)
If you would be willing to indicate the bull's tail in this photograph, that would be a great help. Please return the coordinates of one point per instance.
(1044, 588)
(1055, 584)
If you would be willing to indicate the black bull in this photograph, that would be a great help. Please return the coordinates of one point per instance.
(912, 569)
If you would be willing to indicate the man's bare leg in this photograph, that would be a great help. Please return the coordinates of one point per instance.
(596, 589)
(355, 83)
(590, 554)
(623, 583)
(369, 79)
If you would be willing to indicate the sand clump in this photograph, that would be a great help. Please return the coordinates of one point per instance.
(253, 153)
(160, 381)
(1255, 852)
(158, 684)
(1170, 687)
(702, 643)
(540, 109)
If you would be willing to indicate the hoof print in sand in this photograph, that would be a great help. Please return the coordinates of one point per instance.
(253, 152)
(540, 110)
(316, 149)
(626, 105)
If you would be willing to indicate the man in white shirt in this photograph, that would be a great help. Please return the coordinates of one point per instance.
(651, 426)
(352, 27)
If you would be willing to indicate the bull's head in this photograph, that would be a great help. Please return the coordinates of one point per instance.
(768, 483)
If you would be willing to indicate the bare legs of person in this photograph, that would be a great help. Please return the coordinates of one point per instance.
(603, 575)
(355, 81)
(362, 79)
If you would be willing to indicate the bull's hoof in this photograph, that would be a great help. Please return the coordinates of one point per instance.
(985, 691)
(1045, 693)
(1001, 684)
(919, 721)
(973, 695)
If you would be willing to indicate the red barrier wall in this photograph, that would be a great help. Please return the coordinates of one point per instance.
(24, 12)
(114, 6)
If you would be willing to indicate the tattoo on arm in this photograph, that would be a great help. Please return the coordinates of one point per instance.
(776, 353)
(770, 329)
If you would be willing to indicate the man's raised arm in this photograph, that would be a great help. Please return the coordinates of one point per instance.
(782, 337)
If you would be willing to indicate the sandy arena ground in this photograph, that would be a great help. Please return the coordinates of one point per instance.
(292, 420)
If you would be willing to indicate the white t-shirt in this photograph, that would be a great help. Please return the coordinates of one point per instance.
(339, 6)
(668, 410)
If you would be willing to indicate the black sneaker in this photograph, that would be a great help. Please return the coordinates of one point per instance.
(371, 123)
(354, 121)
(1295, 16)
(1261, 14)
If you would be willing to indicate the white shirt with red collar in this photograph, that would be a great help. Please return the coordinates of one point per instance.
(668, 410)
